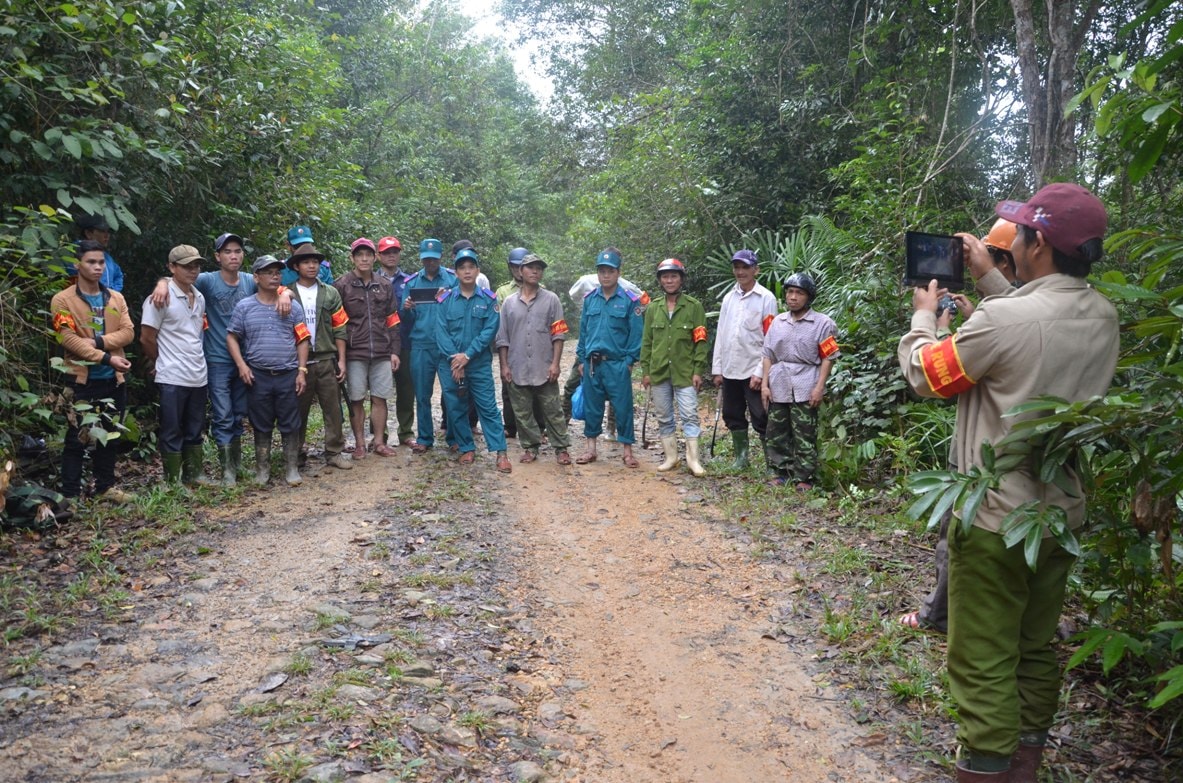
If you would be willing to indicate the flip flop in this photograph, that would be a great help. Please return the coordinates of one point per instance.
(563, 458)
(629, 461)
(382, 450)
(584, 459)
(467, 458)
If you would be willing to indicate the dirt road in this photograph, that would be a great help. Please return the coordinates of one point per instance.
(412, 619)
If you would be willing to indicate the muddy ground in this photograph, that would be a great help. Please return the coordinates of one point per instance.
(416, 620)
(411, 619)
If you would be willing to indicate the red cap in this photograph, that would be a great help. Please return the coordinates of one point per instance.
(360, 242)
(388, 243)
(1065, 213)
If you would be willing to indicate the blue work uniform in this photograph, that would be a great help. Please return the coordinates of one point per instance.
(469, 325)
(425, 354)
(609, 344)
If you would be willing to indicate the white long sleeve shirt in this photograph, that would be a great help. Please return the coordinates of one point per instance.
(739, 342)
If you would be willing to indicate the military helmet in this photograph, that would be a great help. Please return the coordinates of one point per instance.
(516, 255)
(671, 265)
(802, 281)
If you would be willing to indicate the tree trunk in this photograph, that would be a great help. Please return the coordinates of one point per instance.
(1047, 65)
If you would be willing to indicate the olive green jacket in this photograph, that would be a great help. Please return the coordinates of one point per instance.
(674, 347)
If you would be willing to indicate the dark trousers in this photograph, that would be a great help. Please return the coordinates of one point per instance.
(510, 415)
(739, 398)
(322, 386)
(404, 396)
(182, 416)
(272, 402)
(934, 609)
(73, 450)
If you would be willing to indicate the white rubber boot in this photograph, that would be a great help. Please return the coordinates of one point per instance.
(692, 457)
(670, 444)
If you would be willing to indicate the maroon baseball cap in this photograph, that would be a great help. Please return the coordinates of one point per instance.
(361, 242)
(1065, 213)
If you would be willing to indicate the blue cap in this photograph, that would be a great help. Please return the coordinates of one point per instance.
(431, 248)
(745, 257)
(608, 258)
(467, 254)
(298, 235)
(516, 255)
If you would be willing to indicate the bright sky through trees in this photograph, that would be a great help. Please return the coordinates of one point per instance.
(490, 24)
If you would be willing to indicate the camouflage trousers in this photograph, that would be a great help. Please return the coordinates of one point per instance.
(791, 440)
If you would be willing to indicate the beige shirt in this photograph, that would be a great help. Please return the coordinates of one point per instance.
(1055, 336)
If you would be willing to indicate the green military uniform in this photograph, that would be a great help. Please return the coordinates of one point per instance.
(672, 348)
(321, 383)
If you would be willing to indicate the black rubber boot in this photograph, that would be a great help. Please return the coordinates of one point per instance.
(262, 458)
(192, 469)
(172, 467)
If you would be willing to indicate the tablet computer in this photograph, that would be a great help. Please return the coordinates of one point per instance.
(934, 256)
(423, 295)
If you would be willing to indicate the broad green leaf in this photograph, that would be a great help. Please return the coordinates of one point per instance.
(72, 145)
(1154, 112)
(1093, 640)
(1032, 545)
(1173, 689)
(973, 502)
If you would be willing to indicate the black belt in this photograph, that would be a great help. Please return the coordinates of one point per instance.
(266, 371)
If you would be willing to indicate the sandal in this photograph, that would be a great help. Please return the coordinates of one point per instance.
(563, 458)
(528, 457)
(503, 465)
(359, 453)
(467, 458)
(417, 448)
(585, 459)
(803, 486)
(629, 461)
(910, 620)
(382, 450)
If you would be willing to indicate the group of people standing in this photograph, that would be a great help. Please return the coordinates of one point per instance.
(264, 345)
(263, 350)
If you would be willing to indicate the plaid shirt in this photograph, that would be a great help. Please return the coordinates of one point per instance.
(796, 348)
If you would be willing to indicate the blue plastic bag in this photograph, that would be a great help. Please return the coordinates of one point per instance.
(577, 403)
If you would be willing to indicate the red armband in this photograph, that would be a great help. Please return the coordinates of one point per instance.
(64, 320)
(943, 369)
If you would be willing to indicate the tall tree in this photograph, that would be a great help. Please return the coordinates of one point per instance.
(1047, 63)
